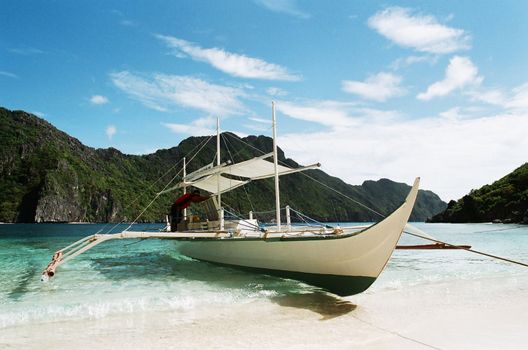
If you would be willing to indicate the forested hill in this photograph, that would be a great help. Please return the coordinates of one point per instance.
(48, 176)
(506, 200)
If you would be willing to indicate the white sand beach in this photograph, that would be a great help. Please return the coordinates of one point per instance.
(478, 314)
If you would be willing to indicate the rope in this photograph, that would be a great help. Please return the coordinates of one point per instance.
(150, 186)
(164, 188)
(302, 218)
(236, 153)
(226, 141)
(396, 333)
(468, 249)
(344, 195)
(500, 229)
(321, 183)
(264, 212)
(243, 223)
(301, 215)
(139, 240)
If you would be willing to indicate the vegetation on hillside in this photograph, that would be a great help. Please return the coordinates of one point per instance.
(505, 200)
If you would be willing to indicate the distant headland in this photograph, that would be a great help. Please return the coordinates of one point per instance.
(504, 201)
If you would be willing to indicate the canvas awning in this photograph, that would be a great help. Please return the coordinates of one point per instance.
(212, 178)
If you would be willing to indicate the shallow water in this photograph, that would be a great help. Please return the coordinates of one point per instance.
(128, 278)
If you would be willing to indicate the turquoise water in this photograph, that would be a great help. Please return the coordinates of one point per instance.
(130, 276)
(421, 266)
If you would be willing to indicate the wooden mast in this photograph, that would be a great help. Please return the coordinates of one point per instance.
(218, 159)
(184, 187)
(220, 210)
(275, 163)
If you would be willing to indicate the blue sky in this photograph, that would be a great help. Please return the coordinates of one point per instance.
(370, 89)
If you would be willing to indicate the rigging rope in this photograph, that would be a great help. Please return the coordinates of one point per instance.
(167, 185)
(500, 229)
(468, 249)
(226, 141)
(321, 183)
(152, 185)
(344, 195)
(265, 212)
(243, 221)
(302, 216)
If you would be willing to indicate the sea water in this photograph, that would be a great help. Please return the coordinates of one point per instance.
(124, 280)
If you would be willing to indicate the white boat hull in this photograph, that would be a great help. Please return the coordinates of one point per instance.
(344, 264)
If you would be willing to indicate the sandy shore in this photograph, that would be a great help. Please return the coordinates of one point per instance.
(478, 314)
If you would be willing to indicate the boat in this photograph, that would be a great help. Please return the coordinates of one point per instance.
(342, 260)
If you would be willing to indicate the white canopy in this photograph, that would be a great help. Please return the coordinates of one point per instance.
(256, 168)
(214, 183)
(212, 179)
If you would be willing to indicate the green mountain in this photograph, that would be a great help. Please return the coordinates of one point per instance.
(505, 200)
(48, 176)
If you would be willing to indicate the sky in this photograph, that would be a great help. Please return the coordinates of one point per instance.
(436, 89)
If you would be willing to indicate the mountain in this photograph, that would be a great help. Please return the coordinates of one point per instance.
(49, 176)
(505, 200)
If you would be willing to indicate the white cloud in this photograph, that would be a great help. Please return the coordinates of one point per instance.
(452, 155)
(514, 100)
(328, 113)
(258, 124)
(288, 7)
(162, 91)
(420, 32)
(460, 72)
(8, 74)
(492, 97)
(260, 120)
(275, 91)
(98, 100)
(198, 127)
(39, 114)
(378, 87)
(25, 51)
(260, 128)
(231, 63)
(128, 23)
(413, 59)
(110, 131)
(332, 114)
(451, 114)
(519, 100)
